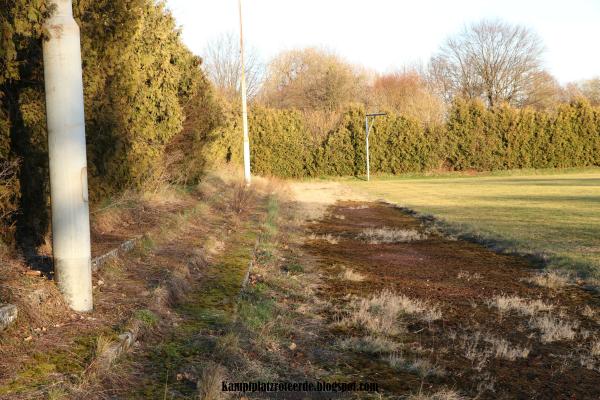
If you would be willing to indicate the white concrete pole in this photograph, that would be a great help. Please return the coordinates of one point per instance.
(68, 164)
(247, 173)
(367, 146)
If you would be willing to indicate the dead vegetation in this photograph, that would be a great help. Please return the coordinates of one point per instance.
(480, 347)
(471, 345)
(368, 344)
(381, 313)
(349, 274)
(209, 384)
(467, 276)
(522, 306)
(390, 235)
(553, 328)
(444, 394)
(328, 237)
(549, 279)
(422, 367)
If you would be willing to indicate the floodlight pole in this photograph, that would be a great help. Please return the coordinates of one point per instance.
(367, 130)
(247, 174)
(67, 157)
(367, 148)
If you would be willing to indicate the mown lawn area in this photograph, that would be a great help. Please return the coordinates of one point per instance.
(550, 212)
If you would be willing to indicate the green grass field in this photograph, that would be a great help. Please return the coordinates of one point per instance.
(556, 213)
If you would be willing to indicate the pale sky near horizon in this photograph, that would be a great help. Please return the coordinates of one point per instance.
(384, 35)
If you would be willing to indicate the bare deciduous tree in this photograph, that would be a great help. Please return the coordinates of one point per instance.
(543, 92)
(491, 60)
(310, 79)
(407, 94)
(222, 63)
(590, 89)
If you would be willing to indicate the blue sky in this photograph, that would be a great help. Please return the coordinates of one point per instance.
(387, 34)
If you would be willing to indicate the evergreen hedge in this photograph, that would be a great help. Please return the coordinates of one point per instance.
(474, 137)
(140, 81)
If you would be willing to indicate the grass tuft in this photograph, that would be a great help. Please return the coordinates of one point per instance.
(209, 384)
(554, 329)
(368, 344)
(349, 275)
(420, 366)
(380, 313)
(329, 238)
(467, 276)
(552, 280)
(390, 235)
(518, 304)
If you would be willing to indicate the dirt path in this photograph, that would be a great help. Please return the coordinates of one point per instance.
(464, 318)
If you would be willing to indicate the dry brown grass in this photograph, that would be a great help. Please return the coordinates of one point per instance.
(162, 196)
(502, 348)
(109, 219)
(467, 276)
(178, 284)
(444, 394)
(552, 280)
(589, 312)
(242, 197)
(329, 238)
(520, 305)
(390, 235)
(553, 328)
(209, 384)
(480, 347)
(595, 348)
(131, 210)
(350, 275)
(420, 366)
(380, 313)
(368, 344)
(360, 207)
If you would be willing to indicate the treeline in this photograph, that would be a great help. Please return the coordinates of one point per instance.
(140, 83)
(474, 137)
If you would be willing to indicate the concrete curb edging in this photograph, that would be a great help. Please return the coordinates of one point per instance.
(8, 315)
(124, 247)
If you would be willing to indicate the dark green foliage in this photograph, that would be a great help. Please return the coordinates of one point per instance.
(279, 143)
(474, 138)
(138, 77)
(507, 138)
(22, 117)
(140, 82)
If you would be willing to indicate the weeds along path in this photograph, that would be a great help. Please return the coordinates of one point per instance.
(421, 313)
(185, 273)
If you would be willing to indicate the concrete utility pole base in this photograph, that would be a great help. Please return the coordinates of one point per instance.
(67, 152)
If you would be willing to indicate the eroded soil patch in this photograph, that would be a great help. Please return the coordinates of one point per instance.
(499, 336)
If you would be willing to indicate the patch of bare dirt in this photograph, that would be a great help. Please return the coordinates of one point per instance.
(500, 336)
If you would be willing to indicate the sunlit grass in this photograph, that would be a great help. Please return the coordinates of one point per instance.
(551, 213)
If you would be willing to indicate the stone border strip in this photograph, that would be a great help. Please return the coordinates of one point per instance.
(124, 247)
(8, 315)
